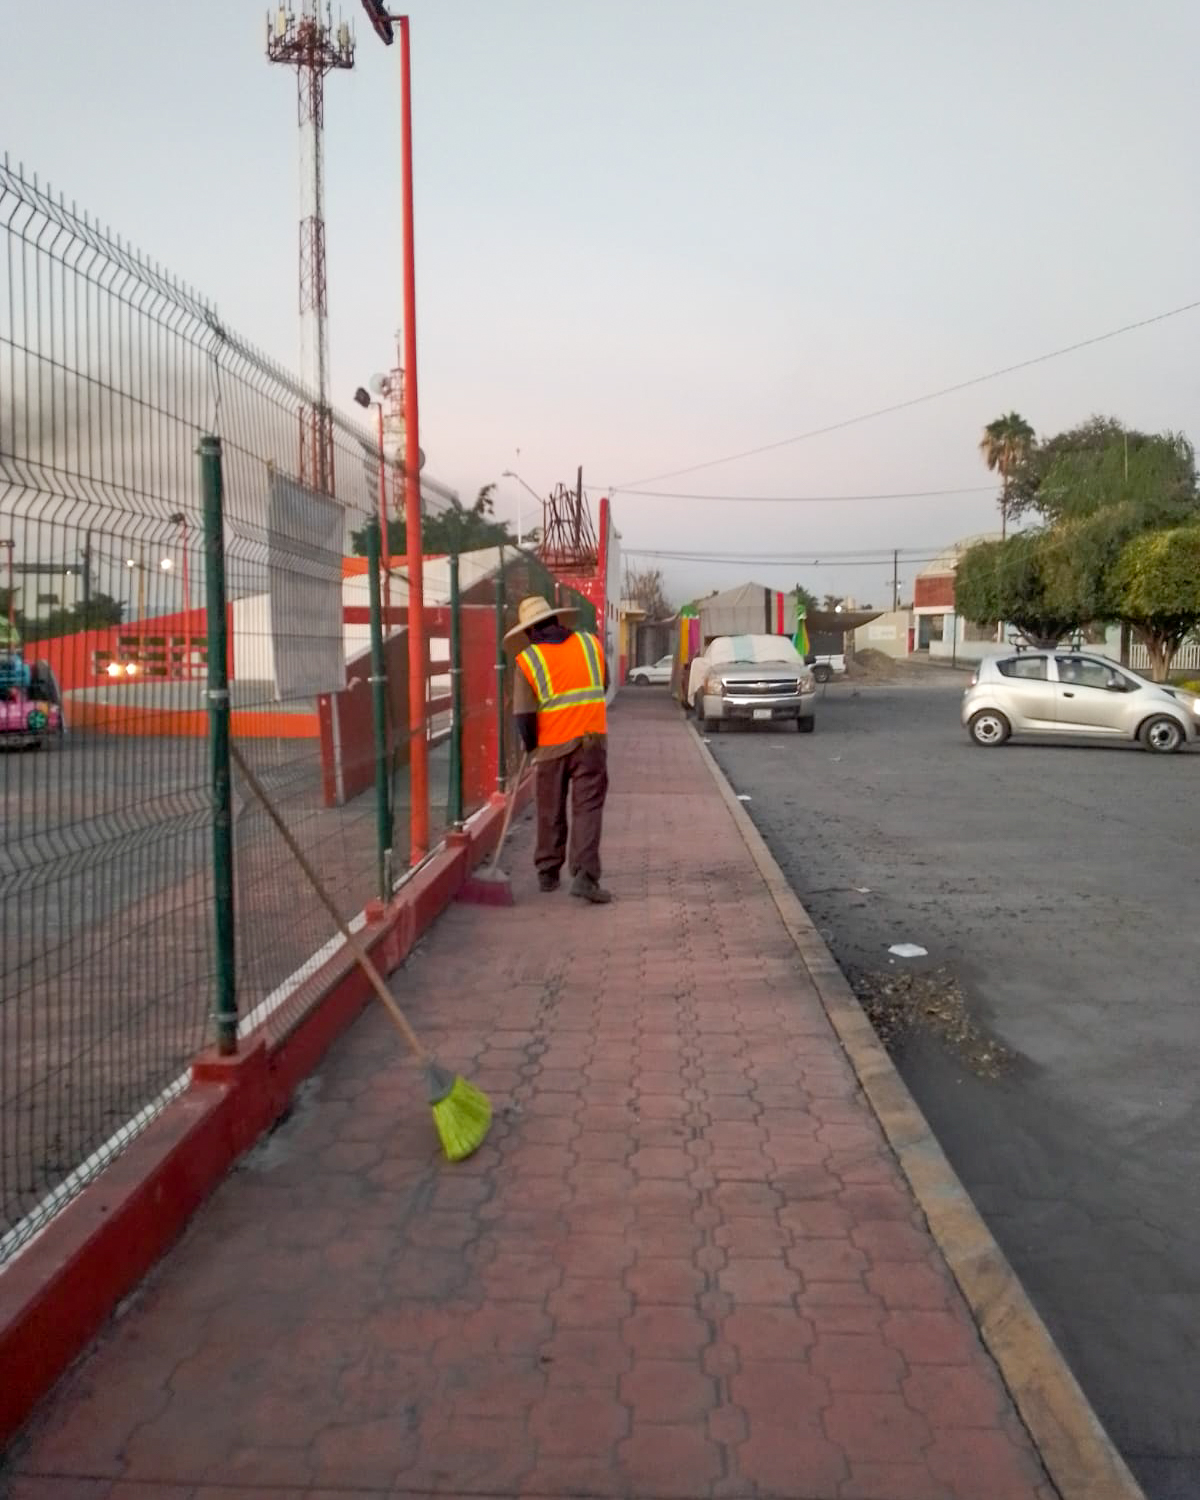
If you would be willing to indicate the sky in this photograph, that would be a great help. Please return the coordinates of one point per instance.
(654, 233)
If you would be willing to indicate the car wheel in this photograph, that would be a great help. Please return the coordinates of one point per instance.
(641, 680)
(822, 672)
(806, 726)
(1161, 735)
(989, 727)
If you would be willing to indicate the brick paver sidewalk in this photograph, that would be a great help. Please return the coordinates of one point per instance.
(684, 1265)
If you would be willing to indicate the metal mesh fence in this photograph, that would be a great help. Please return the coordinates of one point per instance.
(110, 373)
(126, 576)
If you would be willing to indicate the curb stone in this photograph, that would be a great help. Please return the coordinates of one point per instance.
(1079, 1456)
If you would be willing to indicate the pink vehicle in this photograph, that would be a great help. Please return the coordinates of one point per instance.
(30, 706)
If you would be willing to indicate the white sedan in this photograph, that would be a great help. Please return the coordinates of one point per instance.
(656, 672)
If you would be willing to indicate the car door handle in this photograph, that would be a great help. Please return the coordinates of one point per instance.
(1067, 695)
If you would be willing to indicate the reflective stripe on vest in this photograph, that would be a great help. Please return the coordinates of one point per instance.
(566, 713)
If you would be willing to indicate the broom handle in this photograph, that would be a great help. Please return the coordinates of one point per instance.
(508, 810)
(362, 957)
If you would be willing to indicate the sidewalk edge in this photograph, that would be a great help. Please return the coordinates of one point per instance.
(1078, 1453)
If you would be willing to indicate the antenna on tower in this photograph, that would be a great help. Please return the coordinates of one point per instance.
(313, 46)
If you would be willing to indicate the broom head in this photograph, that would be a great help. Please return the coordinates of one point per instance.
(461, 1113)
(490, 887)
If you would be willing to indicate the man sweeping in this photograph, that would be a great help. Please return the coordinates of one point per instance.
(558, 703)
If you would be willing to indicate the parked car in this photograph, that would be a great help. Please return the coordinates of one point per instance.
(1068, 693)
(826, 667)
(752, 679)
(30, 707)
(657, 672)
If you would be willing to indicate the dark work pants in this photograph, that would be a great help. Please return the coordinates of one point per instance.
(582, 775)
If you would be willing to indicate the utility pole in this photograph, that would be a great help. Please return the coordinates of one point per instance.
(87, 568)
(895, 579)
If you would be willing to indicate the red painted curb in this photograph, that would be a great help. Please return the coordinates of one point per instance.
(56, 1295)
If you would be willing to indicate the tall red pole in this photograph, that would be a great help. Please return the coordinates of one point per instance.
(385, 546)
(417, 662)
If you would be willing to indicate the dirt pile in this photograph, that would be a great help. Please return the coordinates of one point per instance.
(898, 1003)
(873, 666)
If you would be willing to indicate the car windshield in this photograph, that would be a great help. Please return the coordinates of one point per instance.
(728, 649)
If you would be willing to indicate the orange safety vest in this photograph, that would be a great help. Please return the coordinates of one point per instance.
(568, 682)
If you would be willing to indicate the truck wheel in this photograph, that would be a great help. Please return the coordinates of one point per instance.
(806, 726)
(822, 672)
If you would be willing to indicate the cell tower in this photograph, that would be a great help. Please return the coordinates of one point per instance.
(313, 47)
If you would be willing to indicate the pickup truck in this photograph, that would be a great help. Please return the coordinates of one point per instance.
(751, 679)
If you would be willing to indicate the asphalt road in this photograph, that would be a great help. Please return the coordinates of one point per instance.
(1059, 885)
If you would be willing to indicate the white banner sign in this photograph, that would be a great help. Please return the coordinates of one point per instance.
(304, 564)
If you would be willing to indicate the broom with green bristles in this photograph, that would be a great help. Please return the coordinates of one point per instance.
(461, 1112)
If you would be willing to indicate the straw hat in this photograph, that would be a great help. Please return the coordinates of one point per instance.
(535, 611)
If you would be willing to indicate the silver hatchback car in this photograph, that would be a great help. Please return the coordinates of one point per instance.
(1066, 693)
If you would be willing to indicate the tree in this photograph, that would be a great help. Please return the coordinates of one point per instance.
(454, 529)
(1101, 463)
(10, 637)
(97, 613)
(1156, 585)
(1012, 580)
(647, 589)
(831, 602)
(806, 598)
(1005, 443)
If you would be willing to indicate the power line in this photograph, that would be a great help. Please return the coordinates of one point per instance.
(968, 489)
(776, 561)
(884, 411)
(833, 554)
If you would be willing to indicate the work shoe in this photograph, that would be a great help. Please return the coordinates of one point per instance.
(547, 882)
(591, 890)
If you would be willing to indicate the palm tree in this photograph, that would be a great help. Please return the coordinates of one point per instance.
(1005, 443)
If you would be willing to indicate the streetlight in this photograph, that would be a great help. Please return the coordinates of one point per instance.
(512, 474)
(381, 386)
(136, 564)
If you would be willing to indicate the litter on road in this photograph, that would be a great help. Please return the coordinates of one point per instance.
(908, 950)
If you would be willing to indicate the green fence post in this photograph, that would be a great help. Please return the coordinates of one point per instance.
(454, 800)
(383, 800)
(501, 763)
(225, 1008)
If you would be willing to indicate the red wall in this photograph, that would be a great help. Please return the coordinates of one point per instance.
(933, 592)
(79, 660)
